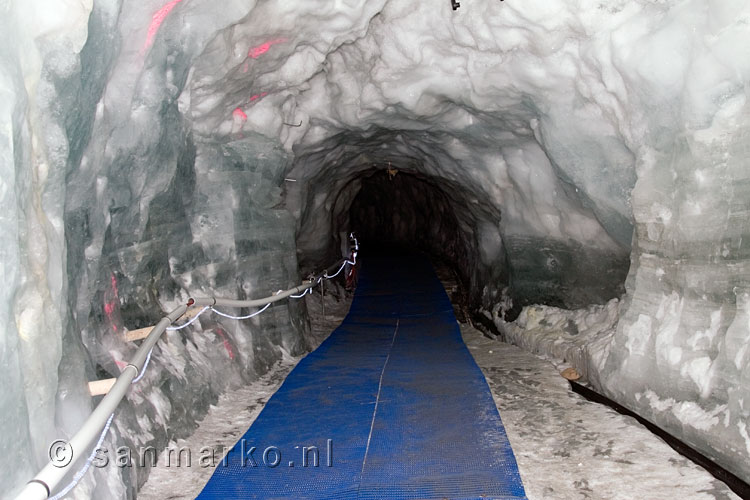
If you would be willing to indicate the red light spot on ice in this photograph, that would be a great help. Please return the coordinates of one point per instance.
(258, 96)
(245, 68)
(239, 114)
(258, 51)
(156, 21)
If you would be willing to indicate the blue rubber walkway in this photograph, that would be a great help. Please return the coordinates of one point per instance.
(390, 406)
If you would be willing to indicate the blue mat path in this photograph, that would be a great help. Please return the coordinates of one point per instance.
(391, 405)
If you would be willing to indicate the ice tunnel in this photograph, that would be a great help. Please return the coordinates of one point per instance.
(581, 166)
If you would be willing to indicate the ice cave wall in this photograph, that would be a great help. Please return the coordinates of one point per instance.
(115, 212)
(152, 149)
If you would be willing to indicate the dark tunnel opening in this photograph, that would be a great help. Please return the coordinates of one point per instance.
(409, 211)
(460, 231)
(525, 238)
(403, 212)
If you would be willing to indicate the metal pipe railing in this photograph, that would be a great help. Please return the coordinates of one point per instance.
(48, 479)
(215, 301)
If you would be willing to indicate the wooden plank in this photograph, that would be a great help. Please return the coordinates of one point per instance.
(142, 333)
(139, 334)
(101, 387)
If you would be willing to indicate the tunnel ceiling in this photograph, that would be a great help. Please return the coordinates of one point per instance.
(499, 99)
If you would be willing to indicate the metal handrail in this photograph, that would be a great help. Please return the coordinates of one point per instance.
(50, 476)
(47, 480)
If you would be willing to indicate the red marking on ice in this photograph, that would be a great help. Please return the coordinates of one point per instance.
(227, 344)
(113, 281)
(110, 304)
(239, 114)
(109, 308)
(258, 51)
(229, 349)
(156, 22)
(120, 364)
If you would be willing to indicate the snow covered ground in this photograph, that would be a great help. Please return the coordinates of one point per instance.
(566, 446)
(221, 429)
(570, 448)
(578, 338)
